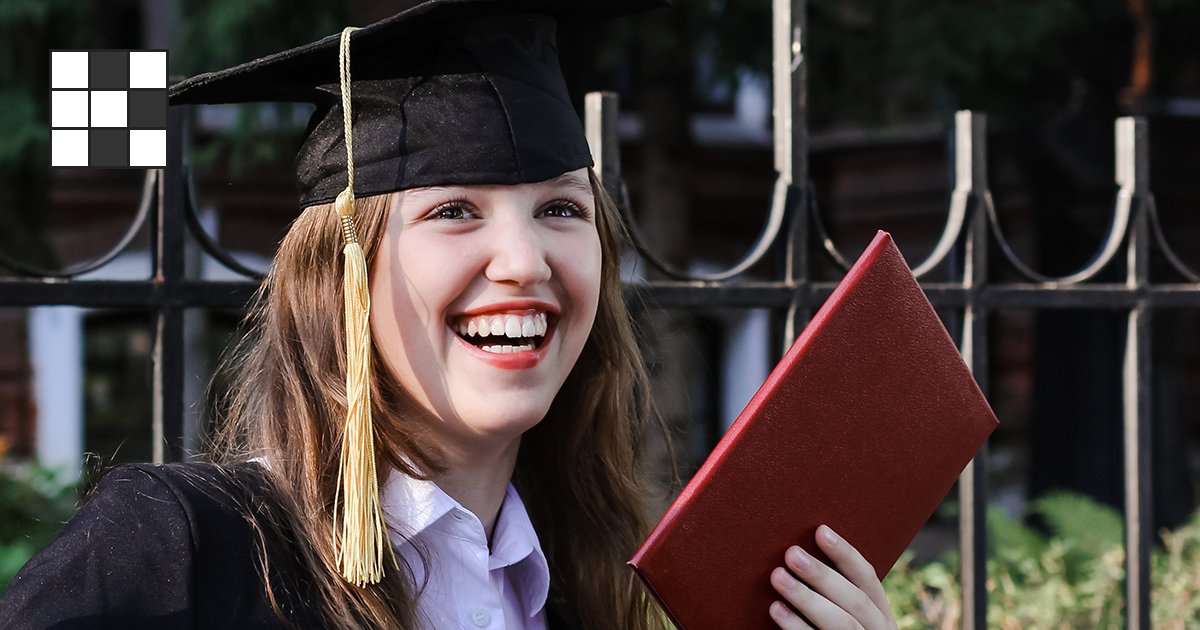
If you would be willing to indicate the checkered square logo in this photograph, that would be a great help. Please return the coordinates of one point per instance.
(108, 108)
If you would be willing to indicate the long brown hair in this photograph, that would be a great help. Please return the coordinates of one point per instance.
(577, 470)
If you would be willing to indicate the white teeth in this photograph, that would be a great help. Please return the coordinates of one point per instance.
(513, 326)
(508, 349)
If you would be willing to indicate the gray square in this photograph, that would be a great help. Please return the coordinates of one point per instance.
(108, 147)
(108, 70)
(147, 109)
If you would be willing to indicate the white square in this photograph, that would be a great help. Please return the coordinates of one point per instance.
(148, 147)
(109, 108)
(68, 108)
(148, 69)
(68, 147)
(68, 69)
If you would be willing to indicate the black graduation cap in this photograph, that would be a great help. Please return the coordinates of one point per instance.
(445, 92)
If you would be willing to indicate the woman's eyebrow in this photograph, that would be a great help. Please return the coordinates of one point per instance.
(579, 186)
(566, 180)
(428, 190)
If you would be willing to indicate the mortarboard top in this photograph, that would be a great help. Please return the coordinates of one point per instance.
(445, 92)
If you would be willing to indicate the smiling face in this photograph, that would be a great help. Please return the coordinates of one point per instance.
(482, 298)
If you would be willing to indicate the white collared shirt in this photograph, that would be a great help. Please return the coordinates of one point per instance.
(468, 587)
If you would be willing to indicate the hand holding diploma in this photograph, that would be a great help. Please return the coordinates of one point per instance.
(862, 427)
(850, 597)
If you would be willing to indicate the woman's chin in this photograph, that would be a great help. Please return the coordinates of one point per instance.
(501, 421)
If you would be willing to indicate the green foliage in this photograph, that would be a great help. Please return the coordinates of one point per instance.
(924, 597)
(28, 29)
(1092, 529)
(218, 34)
(34, 504)
(1177, 576)
(28, 130)
(1072, 577)
(885, 62)
(737, 34)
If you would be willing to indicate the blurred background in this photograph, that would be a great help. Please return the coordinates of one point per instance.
(884, 80)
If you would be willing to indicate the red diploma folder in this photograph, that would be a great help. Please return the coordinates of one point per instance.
(864, 425)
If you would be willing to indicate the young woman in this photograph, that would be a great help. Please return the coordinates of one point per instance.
(505, 391)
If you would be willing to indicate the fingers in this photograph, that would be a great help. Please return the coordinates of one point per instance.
(822, 612)
(849, 597)
(825, 598)
(787, 618)
(854, 567)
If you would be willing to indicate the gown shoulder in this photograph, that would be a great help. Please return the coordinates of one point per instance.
(160, 547)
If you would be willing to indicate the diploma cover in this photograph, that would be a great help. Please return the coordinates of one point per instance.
(864, 425)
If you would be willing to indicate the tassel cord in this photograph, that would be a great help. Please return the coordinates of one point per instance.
(358, 513)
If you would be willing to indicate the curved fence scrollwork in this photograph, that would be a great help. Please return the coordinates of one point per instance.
(1117, 229)
(766, 239)
(207, 242)
(151, 189)
(600, 126)
(150, 192)
(1164, 247)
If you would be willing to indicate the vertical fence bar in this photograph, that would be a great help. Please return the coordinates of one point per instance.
(1133, 177)
(168, 260)
(789, 106)
(789, 97)
(796, 273)
(600, 110)
(970, 168)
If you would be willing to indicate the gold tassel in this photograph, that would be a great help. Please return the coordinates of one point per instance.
(357, 507)
(363, 532)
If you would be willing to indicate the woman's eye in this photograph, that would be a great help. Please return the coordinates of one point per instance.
(454, 211)
(564, 209)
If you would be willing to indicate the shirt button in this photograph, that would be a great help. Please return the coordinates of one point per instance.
(481, 617)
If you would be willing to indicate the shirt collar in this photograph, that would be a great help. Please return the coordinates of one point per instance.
(412, 507)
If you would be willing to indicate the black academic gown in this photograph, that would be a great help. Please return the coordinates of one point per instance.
(157, 547)
(168, 547)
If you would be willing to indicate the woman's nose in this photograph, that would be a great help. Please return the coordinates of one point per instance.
(518, 254)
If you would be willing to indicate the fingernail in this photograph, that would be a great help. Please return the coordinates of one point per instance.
(799, 557)
(827, 533)
(785, 578)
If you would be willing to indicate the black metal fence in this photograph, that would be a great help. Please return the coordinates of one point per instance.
(972, 223)
(792, 227)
